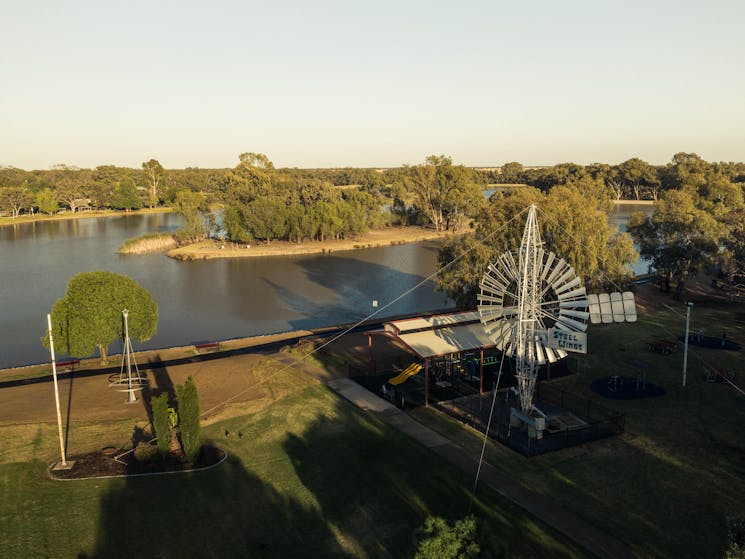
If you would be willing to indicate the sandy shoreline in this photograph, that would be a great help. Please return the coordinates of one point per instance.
(38, 217)
(383, 237)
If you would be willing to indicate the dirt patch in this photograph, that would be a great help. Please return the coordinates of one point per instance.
(104, 463)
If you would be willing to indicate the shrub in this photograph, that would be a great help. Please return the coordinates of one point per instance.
(438, 540)
(144, 452)
(159, 405)
(188, 411)
(736, 537)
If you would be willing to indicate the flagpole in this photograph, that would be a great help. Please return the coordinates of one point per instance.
(56, 393)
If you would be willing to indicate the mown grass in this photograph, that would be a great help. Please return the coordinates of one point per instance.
(308, 476)
(667, 485)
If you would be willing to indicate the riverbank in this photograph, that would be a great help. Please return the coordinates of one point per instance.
(639, 202)
(25, 218)
(382, 237)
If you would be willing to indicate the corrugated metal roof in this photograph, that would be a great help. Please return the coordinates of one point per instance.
(430, 322)
(447, 339)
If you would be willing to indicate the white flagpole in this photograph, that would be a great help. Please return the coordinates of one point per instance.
(56, 392)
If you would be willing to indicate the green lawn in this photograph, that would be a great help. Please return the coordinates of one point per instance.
(667, 485)
(312, 476)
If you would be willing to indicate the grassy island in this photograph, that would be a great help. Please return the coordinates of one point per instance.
(146, 244)
(209, 249)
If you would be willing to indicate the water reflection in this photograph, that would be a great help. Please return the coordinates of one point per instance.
(199, 300)
(206, 300)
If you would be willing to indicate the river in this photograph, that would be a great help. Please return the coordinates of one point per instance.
(203, 300)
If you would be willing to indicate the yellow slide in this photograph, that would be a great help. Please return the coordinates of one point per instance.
(410, 371)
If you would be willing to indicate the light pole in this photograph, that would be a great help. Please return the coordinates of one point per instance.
(688, 304)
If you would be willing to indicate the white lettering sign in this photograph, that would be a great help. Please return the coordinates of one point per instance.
(568, 341)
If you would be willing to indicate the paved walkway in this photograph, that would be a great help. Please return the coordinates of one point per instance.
(572, 526)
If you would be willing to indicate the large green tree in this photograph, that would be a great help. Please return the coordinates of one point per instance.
(154, 175)
(196, 213)
(639, 177)
(679, 238)
(16, 199)
(89, 316)
(574, 225)
(46, 201)
(444, 192)
(125, 196)
(188, 414)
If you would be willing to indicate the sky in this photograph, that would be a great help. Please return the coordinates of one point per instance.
(369, 84)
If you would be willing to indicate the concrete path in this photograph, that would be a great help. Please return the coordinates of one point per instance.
(572, 526)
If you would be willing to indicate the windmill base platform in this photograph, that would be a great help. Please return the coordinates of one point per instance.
(569, 420)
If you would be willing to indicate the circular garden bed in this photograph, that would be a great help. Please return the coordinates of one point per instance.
(110, 462)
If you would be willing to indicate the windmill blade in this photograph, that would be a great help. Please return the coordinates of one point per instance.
(491, 298)
(584, 315)
(581, 292)
(577, 304)
(568, 285)
(570, 325)
(540, 355)
(547, 265)
(558, 269)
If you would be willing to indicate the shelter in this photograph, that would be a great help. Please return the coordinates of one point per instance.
(436, 337)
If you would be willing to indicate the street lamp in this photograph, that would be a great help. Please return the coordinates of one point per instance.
(688, 305)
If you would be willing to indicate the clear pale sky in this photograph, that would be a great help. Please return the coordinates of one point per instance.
(351, 83)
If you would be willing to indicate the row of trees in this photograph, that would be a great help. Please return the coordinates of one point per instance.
(574, 224)
(67, 187)
(697, 223)
(260, 203)
(109, 186)
(633, 179)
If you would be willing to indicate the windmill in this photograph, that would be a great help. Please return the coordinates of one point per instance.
(535, 308)
(129, 378)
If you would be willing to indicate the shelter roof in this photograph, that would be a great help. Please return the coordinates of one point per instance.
(441, 334)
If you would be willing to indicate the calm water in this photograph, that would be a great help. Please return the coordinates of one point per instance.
(205, 300)
(620, 219)
(200, 300)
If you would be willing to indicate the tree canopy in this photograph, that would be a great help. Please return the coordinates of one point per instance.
(89, 315)
(437, 539)
(444, 192)
(574, 225)
(679, 238)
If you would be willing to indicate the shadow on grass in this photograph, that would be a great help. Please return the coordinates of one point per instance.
(224, 512)
(377, 486)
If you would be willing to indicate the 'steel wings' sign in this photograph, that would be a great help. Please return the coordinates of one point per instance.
(568, 341)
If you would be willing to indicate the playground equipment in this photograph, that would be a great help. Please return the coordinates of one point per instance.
(406, 374)
(129, 380)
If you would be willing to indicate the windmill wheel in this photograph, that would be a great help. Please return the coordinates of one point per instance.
(517, 304)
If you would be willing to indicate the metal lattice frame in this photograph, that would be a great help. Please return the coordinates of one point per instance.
(129, 379)
(520, 298)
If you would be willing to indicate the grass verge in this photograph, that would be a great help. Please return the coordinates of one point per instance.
(667, 485)
(309, 476)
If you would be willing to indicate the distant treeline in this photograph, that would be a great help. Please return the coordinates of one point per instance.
(264, 203)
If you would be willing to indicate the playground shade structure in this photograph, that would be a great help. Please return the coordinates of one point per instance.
(407, 373)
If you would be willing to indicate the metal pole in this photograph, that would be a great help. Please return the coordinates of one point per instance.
(56, 392)
(128, 355)
(685, 345)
